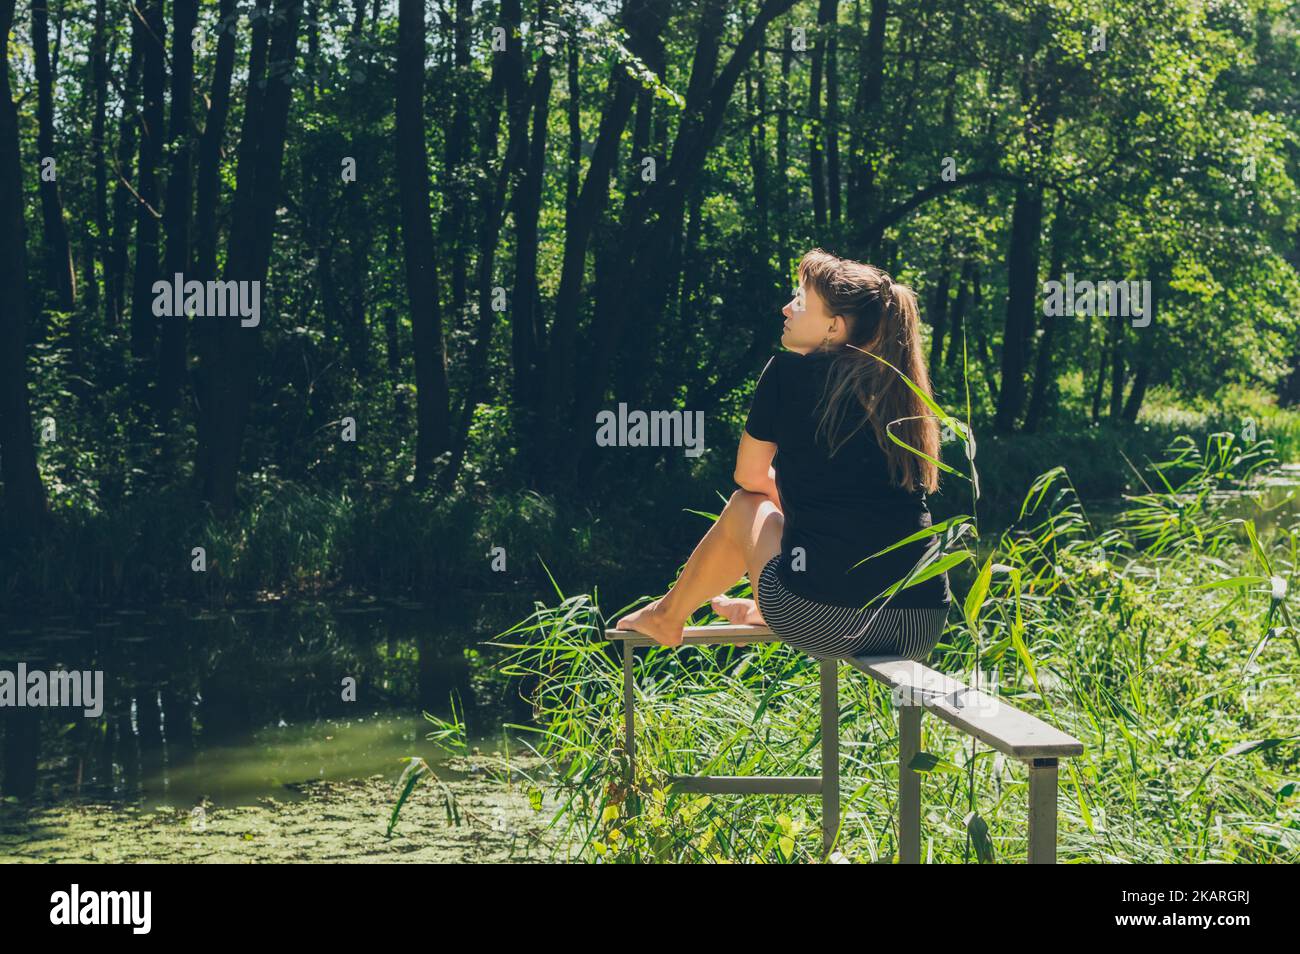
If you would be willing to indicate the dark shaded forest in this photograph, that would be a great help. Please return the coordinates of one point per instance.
(306, 291)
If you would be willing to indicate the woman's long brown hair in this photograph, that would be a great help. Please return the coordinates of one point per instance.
(882, 319)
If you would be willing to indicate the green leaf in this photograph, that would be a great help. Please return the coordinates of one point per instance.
(1239, 582)
(1241, 748)
(901, 443)
(979, 589)
(978, 830)
(1259, 551)
(415, 769)
(1023, 652)
(939, 566)
(939, 412)
(927, 762)
(930, 531)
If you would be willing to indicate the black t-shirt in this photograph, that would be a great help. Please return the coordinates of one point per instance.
(838, 509)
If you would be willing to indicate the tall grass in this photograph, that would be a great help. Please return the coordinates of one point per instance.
(1165, 643)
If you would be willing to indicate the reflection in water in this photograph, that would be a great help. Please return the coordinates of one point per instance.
(237, 705)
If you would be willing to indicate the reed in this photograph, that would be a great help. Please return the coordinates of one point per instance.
(1164, 641)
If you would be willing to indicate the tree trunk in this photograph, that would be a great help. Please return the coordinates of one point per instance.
(1044, 377)
(453, 226)
(1040, 99)
(651, 234)
(171, 355)
(61, 278)
(756, 140)
(1141, 379)
(507, 75)
(233, 355)
(1022, 293)
(781, 183)
(432, 397)
(579, 225)
(957, 320)
(1288, 394)
(143, 321)
(99, 145)
(832, 129)
(524, 313)
(207, 196)
(123, 201)
(207, 200)
(939, 311)
(24, 495)
(1148, 342)
(865, 129)
(1118, 367)
(816, 172)
(1099, 380)
(982, 339)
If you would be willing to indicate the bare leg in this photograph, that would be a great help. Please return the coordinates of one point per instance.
(745, 536)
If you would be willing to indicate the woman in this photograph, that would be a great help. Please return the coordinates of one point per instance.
(823, 486)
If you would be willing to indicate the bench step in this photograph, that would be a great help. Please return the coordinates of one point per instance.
(748, 784)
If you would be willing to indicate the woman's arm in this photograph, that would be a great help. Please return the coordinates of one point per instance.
(754, 470)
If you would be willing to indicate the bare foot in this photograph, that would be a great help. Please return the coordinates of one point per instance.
(650, 621)
(740, 612)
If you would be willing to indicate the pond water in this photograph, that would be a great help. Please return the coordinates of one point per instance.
(236, 705)
(1274, 502)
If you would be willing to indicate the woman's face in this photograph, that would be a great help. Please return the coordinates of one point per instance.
(807, 323)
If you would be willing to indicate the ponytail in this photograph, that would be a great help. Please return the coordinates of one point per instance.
(883, 323)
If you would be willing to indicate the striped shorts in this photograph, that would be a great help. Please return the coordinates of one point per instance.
(842, 632)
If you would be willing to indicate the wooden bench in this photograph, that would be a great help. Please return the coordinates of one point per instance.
(915, 689)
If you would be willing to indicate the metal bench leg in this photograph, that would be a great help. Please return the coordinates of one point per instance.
(1042, 811)
(909, 785)
(629, 730)
(830, 752)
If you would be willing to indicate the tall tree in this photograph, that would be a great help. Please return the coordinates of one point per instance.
(507, 75)
(207, 190)
(1040, 92)
(231, 354)
(24, 494)
(98, 128)
(864, 130)
(454, 224)
(432, 395)
(60, 275)
(1042, 391)
(123, 200)
(207, 200)
(178, 210)
(643, 22)
(650, 240)
(144, 324)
